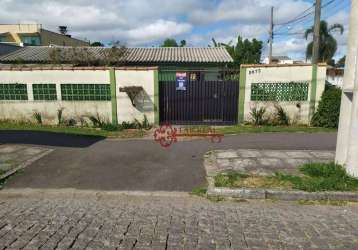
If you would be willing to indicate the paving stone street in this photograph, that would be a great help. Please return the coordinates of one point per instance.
(176, 222)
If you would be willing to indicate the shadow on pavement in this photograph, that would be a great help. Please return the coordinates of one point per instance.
(48, 139)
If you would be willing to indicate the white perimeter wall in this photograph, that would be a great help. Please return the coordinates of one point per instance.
(144, 102)
(284, 74)
(23, 110)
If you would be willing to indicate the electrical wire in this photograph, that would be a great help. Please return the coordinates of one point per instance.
(302, 18)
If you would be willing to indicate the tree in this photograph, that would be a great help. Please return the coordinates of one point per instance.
(182, 43)
(244, 52)
(170, 42)
(63, 30)
(97, 44)
(341, 62)
(328, 44)
(327, 114)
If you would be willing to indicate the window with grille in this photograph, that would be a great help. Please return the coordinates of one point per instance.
(280, 92)
(13, 91)
(46, 92)
(85, 92)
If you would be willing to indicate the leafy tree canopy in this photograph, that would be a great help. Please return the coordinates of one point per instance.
(97, 44)
(244, 52)
(170, 42)
(328, 44)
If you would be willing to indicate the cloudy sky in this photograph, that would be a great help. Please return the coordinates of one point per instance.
(149, 22)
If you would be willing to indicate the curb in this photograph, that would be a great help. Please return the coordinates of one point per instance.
(251, 193)
(84, 194)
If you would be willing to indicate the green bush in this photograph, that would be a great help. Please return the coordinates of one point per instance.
(38, 117)
(111, 127)
(257, 116)
(143, 124)
(281, 116)
(97, 121)
(327, 114)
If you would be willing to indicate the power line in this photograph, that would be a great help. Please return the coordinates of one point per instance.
(303, 18)
(298, 17)
(290, 34)
(341, 5)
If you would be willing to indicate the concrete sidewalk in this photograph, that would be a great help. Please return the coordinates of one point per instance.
(16, 157)
(262, 162)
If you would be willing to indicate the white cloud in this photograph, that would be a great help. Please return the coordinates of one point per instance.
(143, 22)
(157, 30)
(253, 11)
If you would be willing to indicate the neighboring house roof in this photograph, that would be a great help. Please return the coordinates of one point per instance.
(41, 54)
(6, 48)
(281, 58)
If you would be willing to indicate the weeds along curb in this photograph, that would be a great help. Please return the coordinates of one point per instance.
(285, 195)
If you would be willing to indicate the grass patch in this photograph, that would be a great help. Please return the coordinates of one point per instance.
(126, 133)
(323, 202)
(199, 191)
(315, 177)
(239, 129)
(238, 180)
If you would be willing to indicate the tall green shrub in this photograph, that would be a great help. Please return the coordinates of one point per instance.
(327, 114)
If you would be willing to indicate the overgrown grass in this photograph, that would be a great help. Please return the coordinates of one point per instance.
(9, 125)
(199, 191)
(315, 177)
(323, 202)
(241, 129)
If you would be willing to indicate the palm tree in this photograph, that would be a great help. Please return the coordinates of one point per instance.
(328, 44)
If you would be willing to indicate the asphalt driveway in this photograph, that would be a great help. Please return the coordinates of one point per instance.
(141, 165)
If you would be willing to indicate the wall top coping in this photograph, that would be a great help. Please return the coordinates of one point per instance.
(279, 65)
(71, 68)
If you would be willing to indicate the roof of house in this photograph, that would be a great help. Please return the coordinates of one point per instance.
(281, 58)
(41, 54)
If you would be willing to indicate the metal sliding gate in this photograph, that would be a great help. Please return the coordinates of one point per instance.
(201, 101)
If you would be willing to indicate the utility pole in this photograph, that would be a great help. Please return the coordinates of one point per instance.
(347, 141)
(271, 36)
(315, 57)
(317, 22)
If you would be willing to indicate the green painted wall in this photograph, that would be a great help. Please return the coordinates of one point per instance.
(242, 94)
(112, 78)
(313, 90)
(156, 98)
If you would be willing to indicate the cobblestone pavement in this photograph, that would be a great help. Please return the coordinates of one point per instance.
(262, 162)
(147, 222)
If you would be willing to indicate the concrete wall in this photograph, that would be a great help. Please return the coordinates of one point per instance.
(47, 37)
(297, 110)
(24, 110)
(144, 101)
(20, 28)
